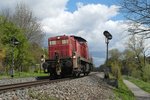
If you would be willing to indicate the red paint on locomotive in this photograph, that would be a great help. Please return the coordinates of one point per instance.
(65, 45)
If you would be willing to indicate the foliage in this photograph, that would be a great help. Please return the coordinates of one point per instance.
(115, 54)
(122, 92)
(8, 31)
(132, 60)
(100, 68)
(2, 50)
(114, 63)
(136, 73)
(128, 62)
(114, 57)
(146, 73)
(115, 69)
(36, 53)
(22, 25)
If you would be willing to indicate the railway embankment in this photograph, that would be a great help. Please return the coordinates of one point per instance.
(91, 87)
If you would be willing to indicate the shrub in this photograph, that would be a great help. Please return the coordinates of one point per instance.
(116, 70)
(136, 73)
(146, 73)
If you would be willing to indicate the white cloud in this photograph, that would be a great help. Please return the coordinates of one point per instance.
(48, 8)
(90, 21)
(41, 8)
(86, 17)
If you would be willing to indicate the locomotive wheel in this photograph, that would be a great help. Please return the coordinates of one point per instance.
(62, 75)
(76, 74)
(85, 74)
(53, 74)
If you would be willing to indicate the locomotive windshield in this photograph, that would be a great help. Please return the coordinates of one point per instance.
(59, 42)
(64, 41)
(52, 42)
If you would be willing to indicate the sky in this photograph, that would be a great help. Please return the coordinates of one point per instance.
(84, 18)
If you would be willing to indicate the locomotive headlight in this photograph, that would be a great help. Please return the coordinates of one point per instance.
(74, 56)
(58, 37)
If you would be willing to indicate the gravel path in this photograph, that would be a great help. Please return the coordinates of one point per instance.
(85, 88)
(139, 93)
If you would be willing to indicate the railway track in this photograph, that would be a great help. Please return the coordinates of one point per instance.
(11, 87)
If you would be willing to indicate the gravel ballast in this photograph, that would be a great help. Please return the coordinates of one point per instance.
(16, 80)
(85, 88)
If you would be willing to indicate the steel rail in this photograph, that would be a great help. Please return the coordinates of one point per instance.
(10, 87)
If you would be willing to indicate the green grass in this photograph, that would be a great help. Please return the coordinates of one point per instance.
(122, 92)
(143, 85)
(23, 74)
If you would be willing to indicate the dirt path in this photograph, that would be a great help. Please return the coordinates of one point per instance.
(139, 93)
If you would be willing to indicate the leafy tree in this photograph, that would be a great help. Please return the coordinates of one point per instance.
(2, 55)
(146, 74)
(7, 31)
(115, 54)
(128, 62)
(28, 32)
(115, 62)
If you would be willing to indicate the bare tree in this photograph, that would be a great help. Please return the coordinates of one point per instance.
(138, 12)
(23, 17)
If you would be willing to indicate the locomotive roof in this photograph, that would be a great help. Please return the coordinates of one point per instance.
(80, 39)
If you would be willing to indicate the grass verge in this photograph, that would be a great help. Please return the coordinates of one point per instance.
(143, 85)
(122, 92)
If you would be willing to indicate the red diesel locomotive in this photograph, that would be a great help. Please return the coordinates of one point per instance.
(68, 55)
